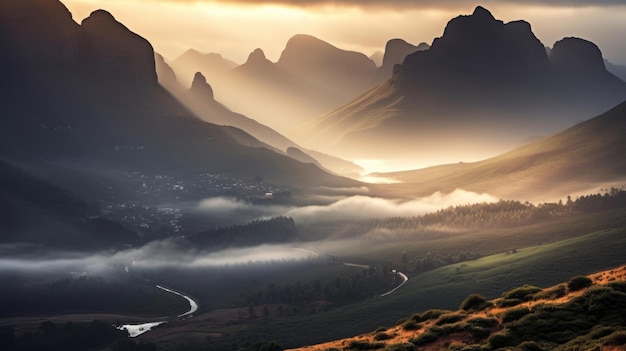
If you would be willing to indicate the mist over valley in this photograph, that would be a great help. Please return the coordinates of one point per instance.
(461, 192)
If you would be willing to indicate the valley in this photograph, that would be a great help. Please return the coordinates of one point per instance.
(198, 203)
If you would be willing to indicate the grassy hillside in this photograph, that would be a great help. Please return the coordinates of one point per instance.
(586, 313)
(581, 157)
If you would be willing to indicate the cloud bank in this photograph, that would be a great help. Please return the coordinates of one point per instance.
(425, 4)
(351, 208)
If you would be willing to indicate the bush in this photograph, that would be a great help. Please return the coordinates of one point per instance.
(524, 293)
(450, 318)
(483, 322)
(381, 329)
(499, 340)
(430, 314)
(425, 338)
(475, 302)
(411, 325)
(579, 283)
(553, 293)
(514, 314)
(382, 336)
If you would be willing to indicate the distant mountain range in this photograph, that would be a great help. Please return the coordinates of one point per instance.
(479, 89)
(83, 101)
(311, 77)
(586, 156)
(200, 98)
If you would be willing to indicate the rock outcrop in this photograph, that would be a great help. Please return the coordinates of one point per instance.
(111, 47)
(200, 88)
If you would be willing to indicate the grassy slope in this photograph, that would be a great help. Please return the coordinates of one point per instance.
(579, 157)
(569, 248)
(561, 317)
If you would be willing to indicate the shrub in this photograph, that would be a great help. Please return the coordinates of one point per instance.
(475, 302)
(483, 322)
(380, 329)
(553, 293)
(450, 318)
(600, 332)
(579, 283)
(524, 293)
(382, 336)
(499, 340)
(411, 325)
(427, 315)
(618, 286)
(424, 338)
(514, 314)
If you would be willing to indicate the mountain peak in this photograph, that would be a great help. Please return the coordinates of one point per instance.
(482, 12)
(257, 56)
(576, 56)
(200, 87)
(111, 46)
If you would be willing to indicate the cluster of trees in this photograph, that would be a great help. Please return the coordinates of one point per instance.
(70, 336)
(262, 231)
(331, 291)
(504, 213)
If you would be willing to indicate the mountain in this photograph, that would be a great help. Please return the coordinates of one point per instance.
(377, 57)
(482, 87)
(200, 99)
(588, 155)
(617, 70)
(585, 312)
(212, 65)
(310, 78)
(86, 97)
(396, 51)
(341, 73)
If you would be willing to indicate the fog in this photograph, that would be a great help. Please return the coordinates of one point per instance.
(358, 207)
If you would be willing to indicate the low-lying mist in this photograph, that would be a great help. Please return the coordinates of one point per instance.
(359, 207)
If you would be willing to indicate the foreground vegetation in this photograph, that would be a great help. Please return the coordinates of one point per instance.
(586, 313)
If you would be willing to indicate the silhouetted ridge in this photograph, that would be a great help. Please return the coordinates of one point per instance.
(575, 56)
(46, 31)
(200, 88)
(395, 52)
(481, 52)
(111, 47)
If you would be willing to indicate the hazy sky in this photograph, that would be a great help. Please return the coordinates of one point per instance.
(235, 28)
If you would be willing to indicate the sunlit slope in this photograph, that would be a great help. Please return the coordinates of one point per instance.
(585, 311)
(586, 155)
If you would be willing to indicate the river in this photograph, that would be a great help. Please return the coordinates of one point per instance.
(138, 329)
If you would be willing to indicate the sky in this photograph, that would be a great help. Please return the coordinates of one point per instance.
(234, 28)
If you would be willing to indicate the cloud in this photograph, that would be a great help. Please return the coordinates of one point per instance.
(425, 4)
(363, 207)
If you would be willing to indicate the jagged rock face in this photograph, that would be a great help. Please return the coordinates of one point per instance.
(165, 73)
(38, 30)
(577, 57)
(110, 46)
(481, 52)
(200, 88)
(395, 52)
(305, 53)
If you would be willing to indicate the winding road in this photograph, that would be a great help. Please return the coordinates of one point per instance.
(138, 329)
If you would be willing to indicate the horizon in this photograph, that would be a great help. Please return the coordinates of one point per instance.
(174, 26)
